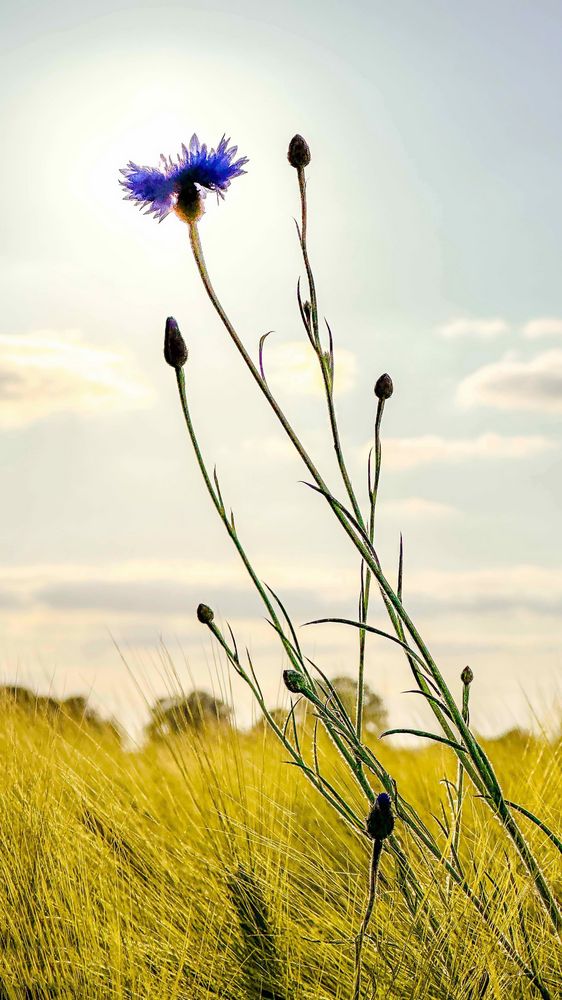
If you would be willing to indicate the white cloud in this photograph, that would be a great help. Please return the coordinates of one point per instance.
(529, 586)
(293, 367)
(514, 384)
(408, 453)
(417, 508)
(46, 372)
(484, 329)
(153, 593)
(543, 326)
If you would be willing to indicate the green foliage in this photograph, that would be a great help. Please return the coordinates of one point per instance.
(374, 712)
(173, 715)
(74, 709)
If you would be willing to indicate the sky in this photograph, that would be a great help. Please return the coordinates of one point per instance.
(435, 218)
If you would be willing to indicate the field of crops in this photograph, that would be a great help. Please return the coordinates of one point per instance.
(204, 865)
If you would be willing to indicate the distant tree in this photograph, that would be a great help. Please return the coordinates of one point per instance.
(279, 716)
(56, 710)
(374, 711)
(183, 712)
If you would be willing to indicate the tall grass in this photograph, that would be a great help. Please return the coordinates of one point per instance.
(199, 867)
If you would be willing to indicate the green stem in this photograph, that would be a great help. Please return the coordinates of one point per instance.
(366, 590)
(460, 775)
(228, 525)
(366, 550)
(373, 872)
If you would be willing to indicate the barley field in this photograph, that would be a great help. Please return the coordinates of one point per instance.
(204, 865)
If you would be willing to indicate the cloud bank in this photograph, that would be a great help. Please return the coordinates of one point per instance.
(410, 453)
(46, 373)
(514, 384)
(483, 329)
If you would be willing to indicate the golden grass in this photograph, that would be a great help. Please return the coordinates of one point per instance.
(207, 867)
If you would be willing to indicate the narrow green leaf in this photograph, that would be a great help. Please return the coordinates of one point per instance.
(542, 826)
(427, 736)
(431, 697)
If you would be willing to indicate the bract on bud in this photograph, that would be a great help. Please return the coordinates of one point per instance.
(384, 387)
(175, 351)
(295, 682)
(299, 152)
(467, 676)
(380, 821)
(205, 614)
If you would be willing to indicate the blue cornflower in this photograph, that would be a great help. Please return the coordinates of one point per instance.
(180, 187)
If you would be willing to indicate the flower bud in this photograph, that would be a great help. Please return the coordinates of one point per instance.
(175, 351)
(295, 682)
(384, 387)
(299, 152)
(380, 821)
(467, 676)
(205, 614)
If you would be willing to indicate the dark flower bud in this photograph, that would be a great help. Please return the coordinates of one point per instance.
(307, 310)
(205, 614)
(299, 152)
(467, 676)
(380, 821)
(295, 682)
(384, 387)
(175, 351)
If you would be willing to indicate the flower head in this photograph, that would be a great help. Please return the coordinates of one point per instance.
(380, 821)
(180, 187)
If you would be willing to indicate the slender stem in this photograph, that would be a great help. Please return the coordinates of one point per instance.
(309, 274)
(324, 365)
(228, 524)
(327, 377)
(373, 872)
(460, 775)
(362, 544)
(366, 572)
(318, 781)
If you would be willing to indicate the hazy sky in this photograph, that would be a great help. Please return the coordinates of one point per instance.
(435, 198)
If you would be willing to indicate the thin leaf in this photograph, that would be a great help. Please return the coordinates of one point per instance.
(287, 619)
(253, 672)
(431, 697)
(542, 826)
(337, 503)
(219, 494)
(260, 352)
(334, 694)
(376, 631)
(427, 736)
(233, 640)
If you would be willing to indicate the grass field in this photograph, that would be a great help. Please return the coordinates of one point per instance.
(206, 866)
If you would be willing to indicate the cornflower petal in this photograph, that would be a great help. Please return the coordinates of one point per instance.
(158, 190)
